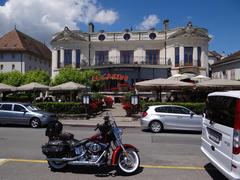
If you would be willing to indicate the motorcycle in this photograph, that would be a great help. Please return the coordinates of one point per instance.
(104, 148)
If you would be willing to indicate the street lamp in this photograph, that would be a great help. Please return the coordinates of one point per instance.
(165, 23)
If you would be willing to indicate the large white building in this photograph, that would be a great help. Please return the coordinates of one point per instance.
(138, 54)
(20, 52)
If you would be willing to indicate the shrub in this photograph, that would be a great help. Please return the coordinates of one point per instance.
(108, 101)
(62, 107)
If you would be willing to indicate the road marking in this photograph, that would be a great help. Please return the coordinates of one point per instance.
(174, 167)
(27, 160)
(2, 161)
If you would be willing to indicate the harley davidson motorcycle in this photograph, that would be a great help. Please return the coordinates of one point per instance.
(104, 148)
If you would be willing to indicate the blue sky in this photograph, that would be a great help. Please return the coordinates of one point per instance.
(220, 17)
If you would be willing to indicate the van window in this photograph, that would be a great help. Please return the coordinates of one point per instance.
(221, 110)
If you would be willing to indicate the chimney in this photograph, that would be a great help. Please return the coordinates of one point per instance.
(166, 24)
(90, 28)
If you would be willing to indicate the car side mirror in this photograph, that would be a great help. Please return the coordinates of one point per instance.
(191, 114)
(23, 110)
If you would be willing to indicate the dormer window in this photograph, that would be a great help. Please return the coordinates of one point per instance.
(101, 37)
(126, 36)
(152, 35)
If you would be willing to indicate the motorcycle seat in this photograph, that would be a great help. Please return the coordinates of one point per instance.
(66, 136)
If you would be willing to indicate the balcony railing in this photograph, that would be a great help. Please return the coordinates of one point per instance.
(134, 60)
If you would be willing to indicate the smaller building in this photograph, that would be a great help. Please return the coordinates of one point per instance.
(227, 68)
(22, 53)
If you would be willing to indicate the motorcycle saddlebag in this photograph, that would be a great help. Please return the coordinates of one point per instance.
(55, 148)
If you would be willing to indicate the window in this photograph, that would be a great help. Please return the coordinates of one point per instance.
(19, 108)
(179, 110)
(13, 56)
(78, 58)
(152, 36)
(67, 57)
(199, 56)
(58, 59)
(101, 57)
(232, 74)
(188, 56)
(1, 66)
(126, 57)
(6, 107)
(163, 110)
(101, 37)
(176, 56)
(126, 36)
(152, 56)
(1, 56)
(13, 66)
(221, 110)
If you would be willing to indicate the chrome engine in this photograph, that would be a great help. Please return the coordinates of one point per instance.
(90, 151)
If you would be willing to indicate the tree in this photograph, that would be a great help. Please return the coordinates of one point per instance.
(37, 76)
(81, 77)
(14, 78)
(2, 77)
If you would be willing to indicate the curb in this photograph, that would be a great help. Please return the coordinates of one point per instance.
(94, 125)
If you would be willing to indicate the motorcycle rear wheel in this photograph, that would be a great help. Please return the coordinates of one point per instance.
(128, 164)
(57, 165)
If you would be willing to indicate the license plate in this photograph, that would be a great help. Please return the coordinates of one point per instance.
(214, 138)
(214, 135)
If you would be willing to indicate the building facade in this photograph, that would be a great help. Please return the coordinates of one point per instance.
(20, 52)
(227, 68)
(141, 55)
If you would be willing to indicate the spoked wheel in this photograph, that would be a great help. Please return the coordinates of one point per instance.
(57, 165)
(156, 126)
(128, 163)
(35, 123)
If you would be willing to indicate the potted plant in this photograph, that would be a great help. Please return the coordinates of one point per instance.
(108, 101)
(128, 108)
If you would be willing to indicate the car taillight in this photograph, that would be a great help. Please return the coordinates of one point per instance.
(144, 114)
(236, 133)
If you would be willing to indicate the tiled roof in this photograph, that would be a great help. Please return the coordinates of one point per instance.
(229, 58)
(18, 41)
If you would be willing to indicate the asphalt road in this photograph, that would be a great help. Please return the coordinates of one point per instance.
(170, 155)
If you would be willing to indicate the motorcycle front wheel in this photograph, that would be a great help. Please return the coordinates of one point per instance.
(128, 163)
(57, 165)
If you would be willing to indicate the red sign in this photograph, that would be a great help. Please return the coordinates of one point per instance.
(108, 76)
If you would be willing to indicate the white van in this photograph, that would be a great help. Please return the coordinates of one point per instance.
(221, 132)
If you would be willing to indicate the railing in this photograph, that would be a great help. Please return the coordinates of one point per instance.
(134, 60)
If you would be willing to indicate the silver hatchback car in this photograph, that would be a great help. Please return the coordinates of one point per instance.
(161, 117)
(24, 114)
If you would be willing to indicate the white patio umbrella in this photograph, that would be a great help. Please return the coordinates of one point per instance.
(5, 87)
(179, 77)
(200, 78)
(219, 83)
(162, 84)
(69, 86)
(33, 87)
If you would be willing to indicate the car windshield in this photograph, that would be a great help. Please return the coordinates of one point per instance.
(32, 108)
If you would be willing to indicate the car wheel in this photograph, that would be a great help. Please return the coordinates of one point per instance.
(35, 123)
(156, 126)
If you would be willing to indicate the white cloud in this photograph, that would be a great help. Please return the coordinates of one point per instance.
(148, 22)
(42, 18)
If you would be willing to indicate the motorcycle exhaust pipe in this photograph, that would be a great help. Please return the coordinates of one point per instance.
(88, 163)
(65, 159)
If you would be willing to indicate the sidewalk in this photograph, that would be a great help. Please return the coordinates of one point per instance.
(117, 112)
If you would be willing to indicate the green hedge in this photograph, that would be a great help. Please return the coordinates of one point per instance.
(62, 107)
(198, 108)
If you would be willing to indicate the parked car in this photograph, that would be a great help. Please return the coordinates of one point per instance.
(221, 132)
(161, 117)
(24, 114)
